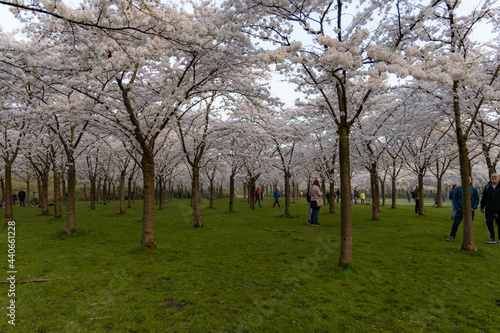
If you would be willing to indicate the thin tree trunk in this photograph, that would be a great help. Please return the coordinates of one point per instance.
(160, 193)
(104, 193)
(129, 192)
(64, 192)
(468, 239)
(70, 210)
(57, 194)
(421, 193)
(375, 194)
(44, 195)
(198, 223)
(92, 193)
(288, 193)
(231, 193)
(9, 213)
(345, 258)
(122, 192)
(211, 193)
(394, 192)
(148, 219)
(332, 197)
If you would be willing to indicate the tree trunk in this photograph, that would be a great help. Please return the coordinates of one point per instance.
(231, 193)
(64, 192)
(198, 223)
(92, 193)
(375, 193)
(2, 184)
(468, 240)
(70, 210)
(129, 192)
(160, 193)
(148, 217)
(421, 193)
(57, 194)
(288, 193)
(382, 189)
(99, 190)
(345, 258)
(211, 189)
(393, 185)
(332, 196)
(439, 192)
(122, 192)
(104, 193)
(44, 195)
(9, 213)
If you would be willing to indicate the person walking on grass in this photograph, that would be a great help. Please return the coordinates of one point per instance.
(456, 199)
(257, 196)
(276, 196)
(491, 200)
(316, 202)
(362, 196)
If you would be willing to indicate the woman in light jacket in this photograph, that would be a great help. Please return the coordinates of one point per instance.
(315, 193)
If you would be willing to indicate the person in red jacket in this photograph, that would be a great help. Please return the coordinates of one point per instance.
(257, 196)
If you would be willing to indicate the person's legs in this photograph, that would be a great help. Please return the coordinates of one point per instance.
(316, 214)
(416, 206)
(258, 200)
(489, 216)
(309, 214)
(456, 224)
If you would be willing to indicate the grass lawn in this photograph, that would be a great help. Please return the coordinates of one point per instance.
(234, 276)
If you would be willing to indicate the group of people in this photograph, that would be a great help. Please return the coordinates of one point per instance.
(489, 205)
(21, 196)
(276, 196)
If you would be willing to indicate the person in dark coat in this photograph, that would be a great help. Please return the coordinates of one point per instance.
(491, 201)
(22, 197)
(457, 205)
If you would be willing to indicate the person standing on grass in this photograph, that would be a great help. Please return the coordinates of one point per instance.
(457, 205)
(416, 197)
(408, 197)
(450, 195)
(362, 196)
(491, 200)
(257, 196)
(276, 196)
(22, 197)
(316, 195)
(14, 199)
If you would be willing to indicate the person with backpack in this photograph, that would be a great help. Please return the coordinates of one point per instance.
(457, 205)
(491, 201)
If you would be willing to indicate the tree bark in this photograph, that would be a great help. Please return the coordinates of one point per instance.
(129, 192)
(288, 193)
(231, 193)
(468, 239)
(345, 258)
(64, 192)
(44, 195)
(57, 194)
(148, 219)
(375, 192)
(393, 184)
(211, 193)
(198, 223)
(421, 193)
(104, 193)
(332, 196)
(9, 212)
(92, 193)
(122, 192)
(70, 210)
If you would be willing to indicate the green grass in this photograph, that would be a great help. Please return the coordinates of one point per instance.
(233, 276)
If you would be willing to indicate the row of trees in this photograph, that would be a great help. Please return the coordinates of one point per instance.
(115, 87)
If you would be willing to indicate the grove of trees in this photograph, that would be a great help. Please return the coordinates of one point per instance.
(156, 97)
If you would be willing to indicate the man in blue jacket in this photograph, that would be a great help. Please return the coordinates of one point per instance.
(276, 196)
(457, 205)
